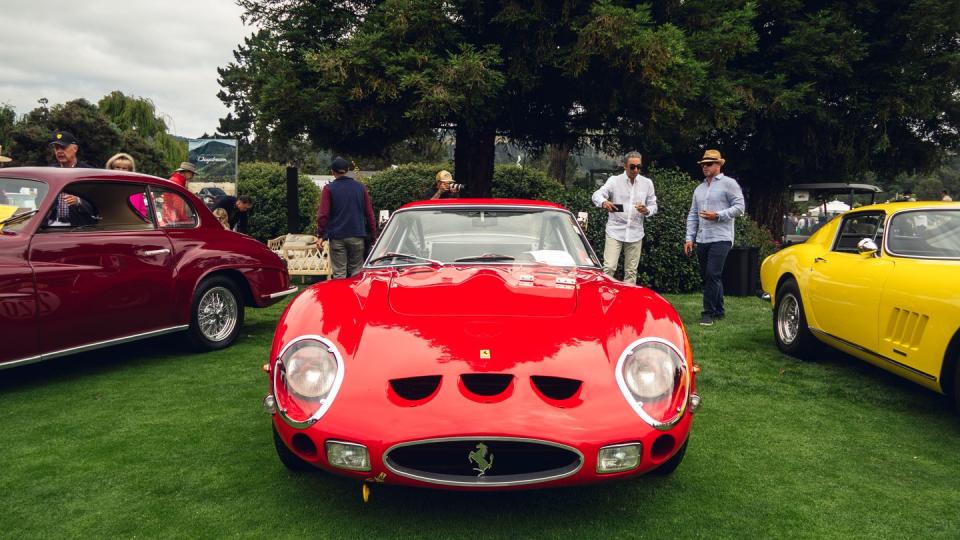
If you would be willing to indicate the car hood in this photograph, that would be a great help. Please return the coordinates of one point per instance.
(473, 291)
(390, 324)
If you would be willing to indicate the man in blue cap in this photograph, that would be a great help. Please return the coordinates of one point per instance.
(345, 219)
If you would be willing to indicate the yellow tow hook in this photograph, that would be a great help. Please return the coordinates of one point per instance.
(366, 492)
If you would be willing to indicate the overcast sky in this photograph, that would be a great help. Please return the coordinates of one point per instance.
(165, 50)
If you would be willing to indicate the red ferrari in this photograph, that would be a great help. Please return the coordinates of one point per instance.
(481, 347)
(91, 258)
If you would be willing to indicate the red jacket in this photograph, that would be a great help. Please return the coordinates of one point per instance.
(178, 179)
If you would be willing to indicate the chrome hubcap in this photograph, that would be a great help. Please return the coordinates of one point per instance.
(788, 319)
(217, 314)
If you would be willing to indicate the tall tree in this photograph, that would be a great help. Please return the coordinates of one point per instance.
(139, 122)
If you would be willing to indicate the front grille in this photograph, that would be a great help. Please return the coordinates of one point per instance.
(479, 461)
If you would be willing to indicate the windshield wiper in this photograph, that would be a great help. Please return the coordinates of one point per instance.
(408, 256)
(486, 257)
(18, 217)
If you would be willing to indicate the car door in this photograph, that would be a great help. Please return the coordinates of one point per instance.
(845, 286)
(104, 281)
(919, 306)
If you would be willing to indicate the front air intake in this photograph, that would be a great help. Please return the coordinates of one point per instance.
(483, 461)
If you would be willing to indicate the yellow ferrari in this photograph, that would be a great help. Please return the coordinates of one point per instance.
(882, 283)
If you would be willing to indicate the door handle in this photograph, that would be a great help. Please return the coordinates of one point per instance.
(819, 259)
(163, 251)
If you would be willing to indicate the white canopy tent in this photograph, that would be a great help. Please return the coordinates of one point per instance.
(833, 207)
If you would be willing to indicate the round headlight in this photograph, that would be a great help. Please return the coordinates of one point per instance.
(654, 379)
(311, 369)
(652, 371)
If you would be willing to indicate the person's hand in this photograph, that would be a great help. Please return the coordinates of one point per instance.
(688, 247)
(642, 208)
(71, 200)
(608, 206)
(708, 215)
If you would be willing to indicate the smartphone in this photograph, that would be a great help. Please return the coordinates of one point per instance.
(618, 207)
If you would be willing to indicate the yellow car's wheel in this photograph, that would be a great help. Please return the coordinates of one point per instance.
(790, 323)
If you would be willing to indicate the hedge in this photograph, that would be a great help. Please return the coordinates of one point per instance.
(267, 184)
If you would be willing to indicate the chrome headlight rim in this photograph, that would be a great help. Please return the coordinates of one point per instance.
(625, 390)
(279, 367)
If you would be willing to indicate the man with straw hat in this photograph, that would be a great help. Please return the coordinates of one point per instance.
(3, 158)
(717, 202)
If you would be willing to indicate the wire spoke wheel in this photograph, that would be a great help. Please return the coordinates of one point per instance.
(217, 314)
(788, 319)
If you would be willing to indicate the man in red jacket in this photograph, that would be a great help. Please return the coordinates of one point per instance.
(183, 174)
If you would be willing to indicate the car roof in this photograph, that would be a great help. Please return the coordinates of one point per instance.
(57, 177)
(484, 202)
(836, 186)
(891, 207)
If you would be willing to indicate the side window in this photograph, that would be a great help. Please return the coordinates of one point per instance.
(99, 206)
(172, 210)
(857, 227)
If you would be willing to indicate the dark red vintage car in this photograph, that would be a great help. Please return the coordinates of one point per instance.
(481, 347)
(91, 258)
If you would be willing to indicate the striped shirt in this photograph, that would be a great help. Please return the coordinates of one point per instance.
(723, 196)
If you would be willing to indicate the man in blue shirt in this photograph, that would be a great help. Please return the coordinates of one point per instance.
(716, 204)
(345, 219)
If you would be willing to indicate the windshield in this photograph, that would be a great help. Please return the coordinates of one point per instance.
(19, 197)
(482, 236)
(933, 234)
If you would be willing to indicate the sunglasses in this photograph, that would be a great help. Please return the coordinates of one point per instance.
(710, 164)
(634, 167)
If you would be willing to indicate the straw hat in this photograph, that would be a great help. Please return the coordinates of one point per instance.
(187, 166)
(3, 158)
(712, 156)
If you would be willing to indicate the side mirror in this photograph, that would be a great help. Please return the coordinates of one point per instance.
(384, 218)
(583, 219)
(867, 247)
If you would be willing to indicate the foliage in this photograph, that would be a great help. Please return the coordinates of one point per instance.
(118, 124)
(396, 186)
(267, 184)
(512, 182)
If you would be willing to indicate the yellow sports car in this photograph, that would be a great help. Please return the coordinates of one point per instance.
(882, 283)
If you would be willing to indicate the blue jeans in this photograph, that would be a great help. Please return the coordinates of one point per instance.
(712, 255)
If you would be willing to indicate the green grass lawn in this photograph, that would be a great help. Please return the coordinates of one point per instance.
(147, 440)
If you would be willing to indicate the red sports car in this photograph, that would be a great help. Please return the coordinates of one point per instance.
(91, 258)
(481, 347)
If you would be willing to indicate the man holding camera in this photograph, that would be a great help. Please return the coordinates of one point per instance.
(630, 199)
(444, 188)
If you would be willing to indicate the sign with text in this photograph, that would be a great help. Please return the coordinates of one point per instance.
(216, 161)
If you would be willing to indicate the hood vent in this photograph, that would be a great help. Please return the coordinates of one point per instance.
(415, 388)
(486, 384)
(557, 388)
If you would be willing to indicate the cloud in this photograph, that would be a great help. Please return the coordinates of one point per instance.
(166, 51)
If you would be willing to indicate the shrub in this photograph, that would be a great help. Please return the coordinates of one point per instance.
(512, 182)
(395, 187)
(267, 184)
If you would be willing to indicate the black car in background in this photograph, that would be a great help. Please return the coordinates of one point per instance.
(210, 195)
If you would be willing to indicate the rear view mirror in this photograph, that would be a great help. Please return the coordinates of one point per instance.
(867, 247)
(583, 218)
(384, 217)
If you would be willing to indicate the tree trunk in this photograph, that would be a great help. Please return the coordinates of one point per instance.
(473, 159)
(559, 158)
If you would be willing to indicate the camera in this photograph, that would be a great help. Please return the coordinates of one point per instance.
(456, 187)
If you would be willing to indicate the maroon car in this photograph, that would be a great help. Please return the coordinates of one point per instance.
(91, 258)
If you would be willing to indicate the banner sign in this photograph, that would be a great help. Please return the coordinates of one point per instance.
(216, 161)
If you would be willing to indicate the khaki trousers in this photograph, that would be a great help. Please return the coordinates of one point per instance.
(631, 258)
